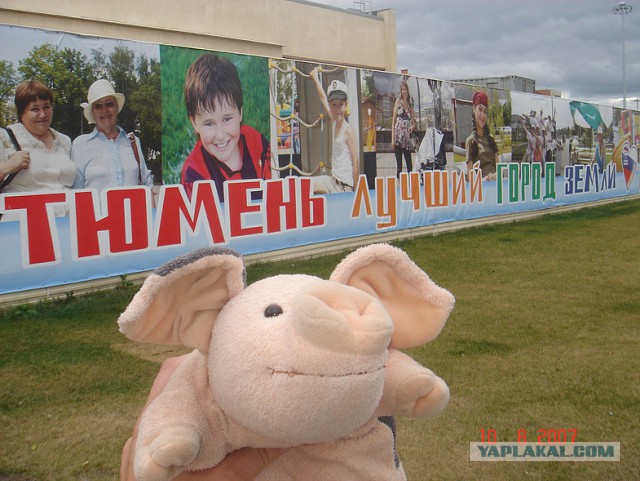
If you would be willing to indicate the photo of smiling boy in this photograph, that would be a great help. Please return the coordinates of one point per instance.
(226, 148)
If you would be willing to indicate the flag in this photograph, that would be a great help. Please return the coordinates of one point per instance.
(589, 113)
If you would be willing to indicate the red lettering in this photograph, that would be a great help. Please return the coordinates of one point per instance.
(488, 435)
(42, 239)
(276, 203)
(174, 208)
(313, 208)
(239, 205)
(125, 223)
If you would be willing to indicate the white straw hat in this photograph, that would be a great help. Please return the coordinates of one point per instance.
(100, 89)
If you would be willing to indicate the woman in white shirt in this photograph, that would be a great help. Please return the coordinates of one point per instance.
(107, 157)
(43, 161)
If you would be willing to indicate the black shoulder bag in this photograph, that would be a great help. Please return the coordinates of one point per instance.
(16, 145)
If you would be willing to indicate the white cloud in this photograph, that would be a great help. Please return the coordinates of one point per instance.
(574, 46)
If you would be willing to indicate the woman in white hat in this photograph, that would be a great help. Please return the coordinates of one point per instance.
(108, 156)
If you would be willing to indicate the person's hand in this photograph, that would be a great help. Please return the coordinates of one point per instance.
(241, 465)
(18, 161)
(314, 73)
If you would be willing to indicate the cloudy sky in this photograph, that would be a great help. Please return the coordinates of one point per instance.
(574, 46)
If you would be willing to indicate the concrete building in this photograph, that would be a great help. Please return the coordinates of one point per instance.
(292, 29)
(510, 82)
(550, 93)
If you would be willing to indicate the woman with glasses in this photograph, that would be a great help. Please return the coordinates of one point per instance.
(108, 156)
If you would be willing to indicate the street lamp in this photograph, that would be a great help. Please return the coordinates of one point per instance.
(623, 9)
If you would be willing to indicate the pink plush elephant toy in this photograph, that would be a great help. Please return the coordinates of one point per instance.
(290, 361)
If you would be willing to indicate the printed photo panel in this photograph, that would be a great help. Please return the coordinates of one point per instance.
(582, 134)
(397, 132)
(288, 112)
(69, 64)
(624, 135)
(534, 126)
(496, 122)
(434, 125)
(316, 117)
(368, 110)
(179, 136)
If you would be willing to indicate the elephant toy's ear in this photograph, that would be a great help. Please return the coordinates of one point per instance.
(180, 301)
(419, 308)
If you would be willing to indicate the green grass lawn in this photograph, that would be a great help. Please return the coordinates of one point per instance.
(545, 335)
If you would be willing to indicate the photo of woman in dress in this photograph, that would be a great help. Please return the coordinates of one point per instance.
(403, 125)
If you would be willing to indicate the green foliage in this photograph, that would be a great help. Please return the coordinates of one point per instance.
(121, 68)
(146, 102)
(178, 137)
(285, 82)
(68, 74)
(499, 114)
(8, 81)
(506, 114)
(368, 85)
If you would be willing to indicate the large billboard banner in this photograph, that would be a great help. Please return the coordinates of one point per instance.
(262, 154)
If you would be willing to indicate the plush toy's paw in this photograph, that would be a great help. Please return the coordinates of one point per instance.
(165, 455)
(422, 395)
(434, 402)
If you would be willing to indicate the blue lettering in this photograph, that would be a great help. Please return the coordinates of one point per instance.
(483, 450)
(591, 178)
(568, 180)
(504, 450)
(579, 179)
(609, 177)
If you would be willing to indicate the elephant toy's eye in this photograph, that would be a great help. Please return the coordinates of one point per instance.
(274, 310)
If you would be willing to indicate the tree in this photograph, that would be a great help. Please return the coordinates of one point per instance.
(121, 70)
(8, 81)
(146, 102)
(506, 113)
(285, 78)
(99, 64)
(67, 73)
(368, 86)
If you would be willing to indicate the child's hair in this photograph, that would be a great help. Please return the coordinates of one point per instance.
(209, 79)
(29, 91)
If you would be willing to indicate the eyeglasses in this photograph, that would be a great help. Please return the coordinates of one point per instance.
(109, 104)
